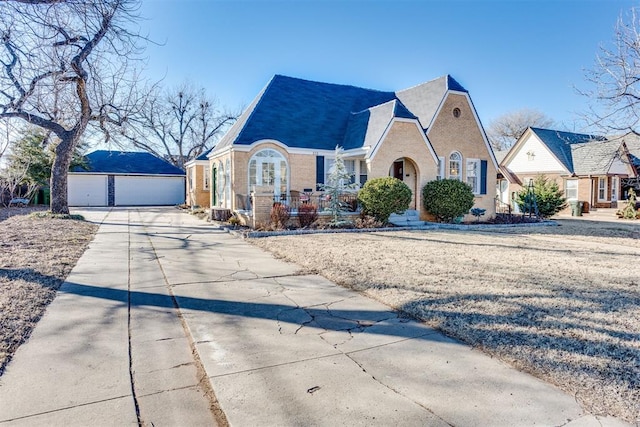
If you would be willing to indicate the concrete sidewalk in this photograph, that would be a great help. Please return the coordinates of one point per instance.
(167, 320)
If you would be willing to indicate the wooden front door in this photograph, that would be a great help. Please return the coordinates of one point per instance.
(398, 169)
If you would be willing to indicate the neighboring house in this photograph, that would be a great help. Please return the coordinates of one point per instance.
(632, 145)
(588, 168)
(115, 178)
(198, 181)
(285, 141)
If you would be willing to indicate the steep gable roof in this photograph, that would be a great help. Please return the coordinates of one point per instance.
(425, 99)
(318, 116)
(127, 162)
(367, 127)
(560, 142)
(303, 113)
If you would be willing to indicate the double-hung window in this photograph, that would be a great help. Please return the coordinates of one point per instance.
(571, 189)
(206, 177)
(473, 175)
(363, 172)
(602, 188)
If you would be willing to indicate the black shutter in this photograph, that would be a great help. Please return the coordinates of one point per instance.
(483, 177)
(319, 172)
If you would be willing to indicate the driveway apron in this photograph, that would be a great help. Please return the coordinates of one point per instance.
(169, 320)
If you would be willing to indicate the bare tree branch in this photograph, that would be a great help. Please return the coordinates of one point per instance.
(178, 124)
(614, 81)
(65, 65)
(504, 131)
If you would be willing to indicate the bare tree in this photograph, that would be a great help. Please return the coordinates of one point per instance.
(614, 81)
(66, 64)
(178, 124)
(504, 131)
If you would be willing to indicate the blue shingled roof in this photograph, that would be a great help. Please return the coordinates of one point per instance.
(127, 162)
(319, 116)
(203, 156)
(559, 143)
(307, 114)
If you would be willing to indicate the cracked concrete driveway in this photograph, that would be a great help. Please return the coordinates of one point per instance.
(168, 320)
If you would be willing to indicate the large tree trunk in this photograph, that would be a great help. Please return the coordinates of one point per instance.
(59, 173)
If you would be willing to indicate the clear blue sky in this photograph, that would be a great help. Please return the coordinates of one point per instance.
(508, 54)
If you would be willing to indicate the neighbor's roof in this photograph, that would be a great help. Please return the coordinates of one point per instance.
(306, 114)
(633, 145)
(595, 158)
(559, 143)
(127, 162)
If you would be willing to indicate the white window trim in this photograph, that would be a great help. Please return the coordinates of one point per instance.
(614, 188)
(566, 188)
(602, 179)
(206, 178)
(359, 165)
(475, 190)
(277, 171)
(459, 177)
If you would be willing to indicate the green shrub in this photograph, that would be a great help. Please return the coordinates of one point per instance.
(380, 197)
(548, 197)
(447, 199)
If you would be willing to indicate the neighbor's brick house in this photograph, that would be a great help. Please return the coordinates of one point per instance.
(285, 141)
(587, 168)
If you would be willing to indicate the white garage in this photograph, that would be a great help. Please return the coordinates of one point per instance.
(87, 190)
(126, 179)
(149, 190)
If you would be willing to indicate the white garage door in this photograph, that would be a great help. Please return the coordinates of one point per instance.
(148, 190)
(87, 190)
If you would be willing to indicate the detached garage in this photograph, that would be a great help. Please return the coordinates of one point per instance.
(121, 178)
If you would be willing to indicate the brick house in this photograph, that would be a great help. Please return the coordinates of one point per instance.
(284, 142)
(588, 168)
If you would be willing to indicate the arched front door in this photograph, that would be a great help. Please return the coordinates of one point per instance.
(406, 171)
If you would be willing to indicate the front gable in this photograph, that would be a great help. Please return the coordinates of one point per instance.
(402, 138)
(457, 128)
(531, 156)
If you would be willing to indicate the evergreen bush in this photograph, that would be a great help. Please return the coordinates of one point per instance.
(548, 197)
(380, 197)
(447, 199)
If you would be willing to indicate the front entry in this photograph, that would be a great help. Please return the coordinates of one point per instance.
(398, 167)
(406, 171)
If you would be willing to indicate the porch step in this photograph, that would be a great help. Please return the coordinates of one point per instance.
(410, 218)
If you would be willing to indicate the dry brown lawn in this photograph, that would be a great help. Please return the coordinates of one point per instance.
(562, 303)
(36, 255)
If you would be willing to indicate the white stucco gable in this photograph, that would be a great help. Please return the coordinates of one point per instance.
(530, 155)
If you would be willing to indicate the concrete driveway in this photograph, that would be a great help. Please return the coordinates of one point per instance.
(168, 320)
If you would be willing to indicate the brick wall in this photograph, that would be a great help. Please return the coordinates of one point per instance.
(449, 133)
(405, 141)
(197, 196)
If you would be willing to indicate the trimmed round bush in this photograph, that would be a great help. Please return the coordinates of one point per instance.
(380, 197)
(447, 199)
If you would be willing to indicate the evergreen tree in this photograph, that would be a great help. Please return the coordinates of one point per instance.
(32, 157)
(338, 182)
(548, 197)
